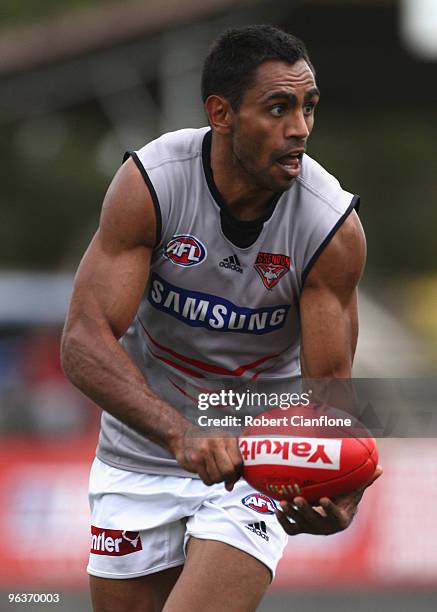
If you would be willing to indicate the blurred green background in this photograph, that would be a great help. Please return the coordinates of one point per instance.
(77, 113)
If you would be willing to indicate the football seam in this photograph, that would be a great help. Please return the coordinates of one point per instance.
(343, 474)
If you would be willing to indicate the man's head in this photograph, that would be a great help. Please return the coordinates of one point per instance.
(231, 65)
(259, 90)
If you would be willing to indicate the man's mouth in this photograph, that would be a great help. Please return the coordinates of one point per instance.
(291, 163)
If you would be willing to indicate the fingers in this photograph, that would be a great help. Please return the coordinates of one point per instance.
(290, 528)
(235, 454)
(304, 517)
(214, 459)
(304, 510)
(335, 513)
(227, 461)
(212, 470)
(325, 520)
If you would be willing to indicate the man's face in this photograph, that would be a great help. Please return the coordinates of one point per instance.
(273, 123)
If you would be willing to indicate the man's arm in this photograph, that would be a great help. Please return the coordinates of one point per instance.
(329, 332)
(328, 305)
(329, 317)
(107, 291)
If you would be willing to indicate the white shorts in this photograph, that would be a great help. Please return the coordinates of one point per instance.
(142, 522)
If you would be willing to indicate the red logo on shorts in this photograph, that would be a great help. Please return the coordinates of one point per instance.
(114, 542)
(271, 267)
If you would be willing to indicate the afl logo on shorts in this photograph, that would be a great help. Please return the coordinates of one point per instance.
(185, 250)
(259, 502)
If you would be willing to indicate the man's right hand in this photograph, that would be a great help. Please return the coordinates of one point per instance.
(214, 455)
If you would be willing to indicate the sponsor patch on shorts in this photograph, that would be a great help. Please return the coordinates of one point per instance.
(114, 542)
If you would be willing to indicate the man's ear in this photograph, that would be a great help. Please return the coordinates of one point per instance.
(220, 114)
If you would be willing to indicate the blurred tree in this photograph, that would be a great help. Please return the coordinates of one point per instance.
(50, 201)
(375, 130)
(13, 12)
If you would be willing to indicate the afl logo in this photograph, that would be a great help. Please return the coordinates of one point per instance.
(185, 250)
(260, 503)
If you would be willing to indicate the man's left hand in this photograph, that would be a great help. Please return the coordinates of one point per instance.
(330, 517)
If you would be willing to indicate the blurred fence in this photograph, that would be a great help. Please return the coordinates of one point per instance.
(45, 535)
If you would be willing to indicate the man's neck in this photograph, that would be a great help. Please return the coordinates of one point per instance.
(245, 200)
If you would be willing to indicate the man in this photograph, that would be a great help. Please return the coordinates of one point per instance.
(221, 252)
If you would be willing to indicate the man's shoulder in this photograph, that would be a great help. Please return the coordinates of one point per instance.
(178, 146)
(319, 184)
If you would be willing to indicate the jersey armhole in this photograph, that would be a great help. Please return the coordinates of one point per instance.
(354, 205)
(152, 191)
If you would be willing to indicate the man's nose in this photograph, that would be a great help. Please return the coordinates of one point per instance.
(297, 127)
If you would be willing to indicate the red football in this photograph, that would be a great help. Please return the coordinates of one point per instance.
(286, 461)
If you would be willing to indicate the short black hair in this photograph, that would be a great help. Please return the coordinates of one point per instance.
(230, 66)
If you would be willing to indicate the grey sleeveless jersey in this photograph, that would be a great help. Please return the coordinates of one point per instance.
(213, 311)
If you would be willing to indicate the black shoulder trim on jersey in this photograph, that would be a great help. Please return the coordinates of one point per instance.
(355, 204)
(241, 233)
(356, 200)
(149, 184)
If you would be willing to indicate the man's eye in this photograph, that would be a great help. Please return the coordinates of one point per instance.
(277, 110)
(308, 109)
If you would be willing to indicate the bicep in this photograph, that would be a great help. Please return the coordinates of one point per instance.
(328, 305)
(109, 285)
(329, 334)
(114, 271)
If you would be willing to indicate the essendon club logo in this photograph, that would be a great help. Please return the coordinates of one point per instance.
(114, 542)
(271, 267)
(185, 250)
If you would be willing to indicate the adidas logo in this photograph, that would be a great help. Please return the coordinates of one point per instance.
(259, 528)
(232, 262)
